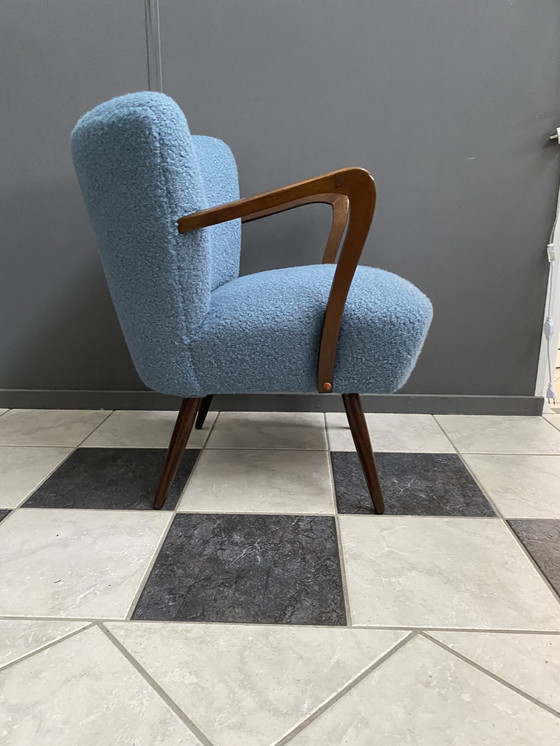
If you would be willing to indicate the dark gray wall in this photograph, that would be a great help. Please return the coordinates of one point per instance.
(449, 104)
(58, 58)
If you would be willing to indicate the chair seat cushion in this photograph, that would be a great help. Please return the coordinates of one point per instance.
(263, 330)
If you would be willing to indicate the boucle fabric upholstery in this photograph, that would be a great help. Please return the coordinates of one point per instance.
(192, 325)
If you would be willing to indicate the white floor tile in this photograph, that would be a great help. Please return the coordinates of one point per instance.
(491, 434)
(554, 419)
(84, 691)
(250, 685)
(424, 696)
(418, 433)
(19, 637)
(3, 411)
(75, 563)
(48, 427)
(265, 481)
(521, 486)
(23, 469)
(442, 572)
(529, 662)
(291, 430)
(143, 429)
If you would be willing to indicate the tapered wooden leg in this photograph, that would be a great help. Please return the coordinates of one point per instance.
(360, 434)
(203, 411)
(181, 431)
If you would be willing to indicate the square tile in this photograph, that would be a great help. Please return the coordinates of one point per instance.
(143, 429)
(23, 469)
(75, 563)
(418, 433)
(554, 419)
(48, 427)
(520, 486)
(246, 685)
(426, 696)
(291, 430)
(84, 691)
(417, 571)
(492, 434)
(260, 482)
(542, 541)
(20, 637)
(412, 484)
(529, 662)
(111, 478)
(246, 568)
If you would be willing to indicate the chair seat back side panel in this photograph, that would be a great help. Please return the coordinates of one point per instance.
(139, 170)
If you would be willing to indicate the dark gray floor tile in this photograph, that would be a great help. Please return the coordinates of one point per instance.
(3, 514)
(412, 483)
(542, 540)
(110, 478)
(246, 568)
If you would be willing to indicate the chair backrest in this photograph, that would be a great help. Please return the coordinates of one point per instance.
(139, 170)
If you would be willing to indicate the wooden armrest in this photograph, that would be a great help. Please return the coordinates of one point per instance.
(321, 189)
(348, 191)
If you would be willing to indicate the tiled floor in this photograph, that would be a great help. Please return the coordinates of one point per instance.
(267, 604)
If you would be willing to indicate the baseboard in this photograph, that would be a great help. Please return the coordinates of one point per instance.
(399, 403)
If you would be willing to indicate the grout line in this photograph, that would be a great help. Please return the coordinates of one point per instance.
(504, 453)
(52, 643)
(156, 687)
(47, 476)
(347, 688)
(501, 516)
(489, 673)
(100, 447)
(73, 449)
(150, 567)
(109, 412)
(40, 618)
(266, 448)
(211, 428)
(532, 560)
(328, 437)
(377, 449)
(192, 511)
(475, 478)
(403, 628)
(341, 562)
(173, 513)
(192, 471)
(132, 511)
(7, 517)
(489, 630)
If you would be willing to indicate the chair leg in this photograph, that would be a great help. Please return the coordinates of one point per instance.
(203, 411)
(358, 426)
(181, 432)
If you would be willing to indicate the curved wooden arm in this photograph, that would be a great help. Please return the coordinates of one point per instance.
(361, 194)
(279, 200)
(349, 190)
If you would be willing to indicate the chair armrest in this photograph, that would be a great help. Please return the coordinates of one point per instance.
(348, 191)
(328, 189)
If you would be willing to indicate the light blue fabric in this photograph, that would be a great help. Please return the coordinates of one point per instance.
(192, 325)
(140, 170)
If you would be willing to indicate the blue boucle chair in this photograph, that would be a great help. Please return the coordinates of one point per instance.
(166, 210)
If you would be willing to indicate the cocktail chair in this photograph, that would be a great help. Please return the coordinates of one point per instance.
(166, 210)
